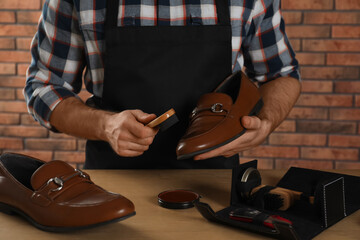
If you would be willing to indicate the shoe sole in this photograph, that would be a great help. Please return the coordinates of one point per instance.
(10, 210)
(253, 112)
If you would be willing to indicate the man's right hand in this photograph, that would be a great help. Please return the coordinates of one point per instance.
(125, 131)
(127, 134)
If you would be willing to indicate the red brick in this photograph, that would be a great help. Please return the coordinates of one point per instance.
(329, 153)
(9, 118)
(347, 4)
(15, 56)
(331, 45)
(312, 164)
(13, 106)
(7, 43)
(292, 17)
(7, 94)
(28, 16)
(50, 144)
(286, 126)
(22, 68)
(7, 68)
(263, 163)
(17, 30)
(296, 44)
(345, 31)
(308, 113)
(329, 73)
(313, 86)
(19, 94)
(316, 126)
(11, 143)
(325, 100)
(12, 81)
(304, 31)
(307, 4)
(311, 58)
(27, 119)
(20, 4)
(71, 157)
(344, 141)
(343, 59)
(347, 165)
(42, 155)
(272, 151)
(357, 102)
(23, 43)
(347, 87)
(297, 139)
(7, 16)
(23, 131)
(315, 17)
(347, 114)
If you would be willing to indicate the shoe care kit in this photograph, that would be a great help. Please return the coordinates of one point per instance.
(304, 202)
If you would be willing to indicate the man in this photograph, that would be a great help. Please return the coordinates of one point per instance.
(141, 59)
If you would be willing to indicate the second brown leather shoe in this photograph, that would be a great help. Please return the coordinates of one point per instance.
(56, 197)
(216, 120)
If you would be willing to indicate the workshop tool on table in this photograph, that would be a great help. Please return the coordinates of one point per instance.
(279, 198)
(268, 197)
(250, 215)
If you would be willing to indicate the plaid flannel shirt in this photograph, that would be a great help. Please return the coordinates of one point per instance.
(69, 44)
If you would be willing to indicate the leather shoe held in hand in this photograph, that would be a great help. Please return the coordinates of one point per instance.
(216, 120)
(56, 197)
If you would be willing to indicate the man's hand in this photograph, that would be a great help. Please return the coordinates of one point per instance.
(256, 132)
(127, 134)
(125, 131)
(279, 97)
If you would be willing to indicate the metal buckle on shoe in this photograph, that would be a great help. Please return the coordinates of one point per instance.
(57, 181)
(60, 182)
(194, 112)
(217, 108)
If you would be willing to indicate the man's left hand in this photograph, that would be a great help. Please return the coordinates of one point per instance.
(256, 132)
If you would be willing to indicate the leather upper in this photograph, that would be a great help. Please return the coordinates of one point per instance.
(59, 195)
(217, 119)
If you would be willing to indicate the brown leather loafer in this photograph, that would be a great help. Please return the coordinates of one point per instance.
(56, 197)
(216, 120)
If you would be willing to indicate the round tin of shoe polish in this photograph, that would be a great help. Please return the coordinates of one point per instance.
(178, 199)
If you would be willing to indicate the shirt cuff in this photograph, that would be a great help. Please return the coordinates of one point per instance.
(45, 101)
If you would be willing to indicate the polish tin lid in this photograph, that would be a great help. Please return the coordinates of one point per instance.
(178, 199)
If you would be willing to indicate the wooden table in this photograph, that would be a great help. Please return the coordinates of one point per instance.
(155, 222)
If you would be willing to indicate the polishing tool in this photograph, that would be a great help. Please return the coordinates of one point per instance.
(164, 121)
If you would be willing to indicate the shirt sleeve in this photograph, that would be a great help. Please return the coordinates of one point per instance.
(268, 53)
(57, 50)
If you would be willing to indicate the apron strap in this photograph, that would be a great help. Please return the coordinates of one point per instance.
(112, 11)
(223, 12)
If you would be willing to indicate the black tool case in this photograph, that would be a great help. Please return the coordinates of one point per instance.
(336, 196)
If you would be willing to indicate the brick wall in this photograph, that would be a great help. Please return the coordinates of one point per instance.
(322, 131)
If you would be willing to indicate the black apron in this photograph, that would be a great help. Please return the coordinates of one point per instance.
(155, 68)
